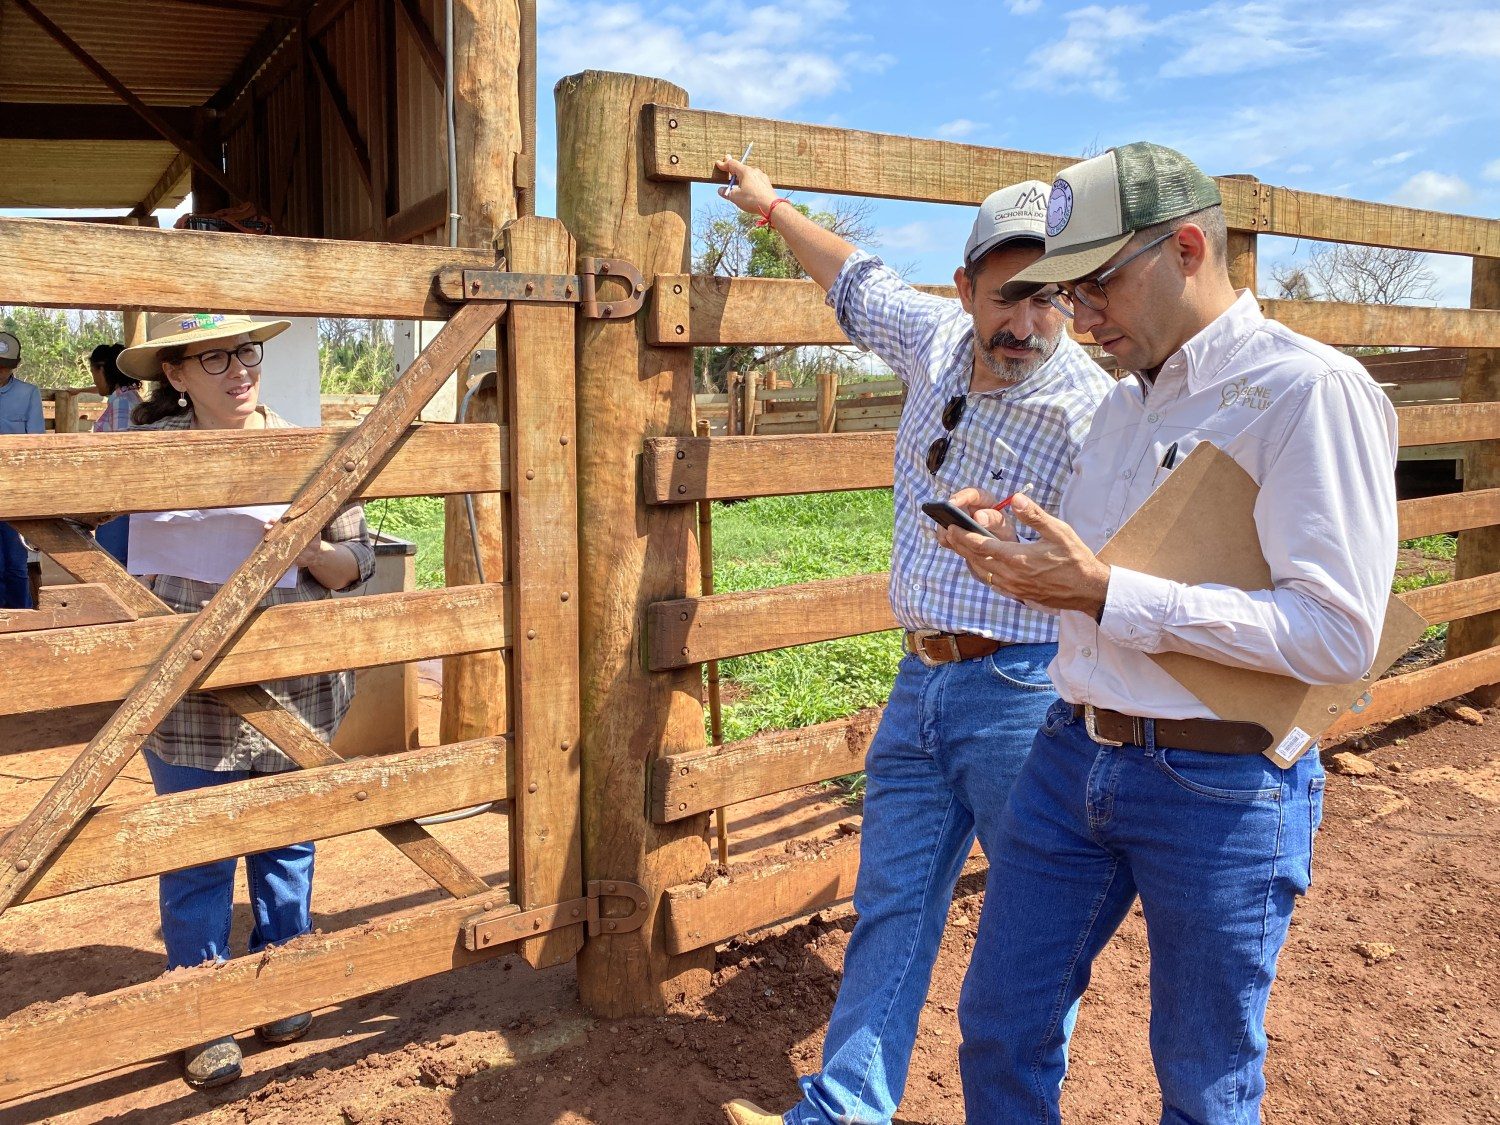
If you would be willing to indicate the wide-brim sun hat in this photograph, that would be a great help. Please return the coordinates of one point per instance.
(1097, 205)
(177, 329)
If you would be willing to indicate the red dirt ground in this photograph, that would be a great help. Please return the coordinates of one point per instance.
(1407, 857)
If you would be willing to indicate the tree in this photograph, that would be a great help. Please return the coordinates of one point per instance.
(55, 345)
(1364, 275)
(730, 244)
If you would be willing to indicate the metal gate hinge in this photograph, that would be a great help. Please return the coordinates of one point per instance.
(500, 927)
(581, 288)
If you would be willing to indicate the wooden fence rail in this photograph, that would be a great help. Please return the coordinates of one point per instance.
(143, 836)
(713, 311)
(682, 144)
(162, 470)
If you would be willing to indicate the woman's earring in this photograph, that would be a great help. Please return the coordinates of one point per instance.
(182, 401)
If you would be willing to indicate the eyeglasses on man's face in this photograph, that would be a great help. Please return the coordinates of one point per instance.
(953, 413)
(1090, 291)
(216, 362)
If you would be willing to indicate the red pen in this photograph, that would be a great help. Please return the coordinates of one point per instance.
(1025, 488)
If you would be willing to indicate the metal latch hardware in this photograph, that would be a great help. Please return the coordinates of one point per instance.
(581, 288)
(500, 927)
(592, 269)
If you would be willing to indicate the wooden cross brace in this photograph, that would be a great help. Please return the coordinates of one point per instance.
(185, 662)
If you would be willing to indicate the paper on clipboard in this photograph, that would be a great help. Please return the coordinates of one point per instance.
(206, 545)
(1209, 501)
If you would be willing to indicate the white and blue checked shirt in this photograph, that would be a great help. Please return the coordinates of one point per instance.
(928, 342)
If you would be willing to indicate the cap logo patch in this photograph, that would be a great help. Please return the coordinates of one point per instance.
(201, 320)
(1059, 207)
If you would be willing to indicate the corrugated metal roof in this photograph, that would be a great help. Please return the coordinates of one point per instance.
(165, 53)
(84, 173)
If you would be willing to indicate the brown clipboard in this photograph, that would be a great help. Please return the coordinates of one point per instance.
(1208, 504)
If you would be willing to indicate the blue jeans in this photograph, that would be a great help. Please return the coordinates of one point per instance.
(1217, 847)
(198, 902)
(949, 745)
(15, 581)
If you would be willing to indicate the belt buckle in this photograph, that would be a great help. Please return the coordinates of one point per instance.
(1091, 726)
(918, 648)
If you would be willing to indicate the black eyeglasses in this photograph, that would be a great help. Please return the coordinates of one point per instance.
(216, 362)
(953, 414)
(1090, 291)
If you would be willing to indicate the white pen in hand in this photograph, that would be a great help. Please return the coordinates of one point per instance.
(743, 159)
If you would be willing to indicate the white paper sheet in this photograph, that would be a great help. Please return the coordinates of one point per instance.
(206, 545)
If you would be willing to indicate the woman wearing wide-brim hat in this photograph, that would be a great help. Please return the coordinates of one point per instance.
(204, 373)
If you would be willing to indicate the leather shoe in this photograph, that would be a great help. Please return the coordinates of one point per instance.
(741, 1112)
(212, 1064)
(285, 1030)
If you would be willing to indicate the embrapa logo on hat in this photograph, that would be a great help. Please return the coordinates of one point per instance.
(201, 320)
(1059, 207)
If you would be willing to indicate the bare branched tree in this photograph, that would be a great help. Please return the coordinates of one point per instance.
(730, 244)
(1365, 275)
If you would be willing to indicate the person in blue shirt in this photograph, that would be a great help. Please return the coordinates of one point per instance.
(20, 413)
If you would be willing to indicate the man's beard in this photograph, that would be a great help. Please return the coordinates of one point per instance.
(1010, 370)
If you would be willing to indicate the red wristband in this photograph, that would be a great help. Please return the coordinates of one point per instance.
(765, 216)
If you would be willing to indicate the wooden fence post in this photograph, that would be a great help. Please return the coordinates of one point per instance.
(749, 407)
(732, 427)
(546, 859)
(631, 554)
(1479, 549)
(828, 401)
(1242, 253)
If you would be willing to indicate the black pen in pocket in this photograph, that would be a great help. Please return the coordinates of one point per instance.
(1166, 463)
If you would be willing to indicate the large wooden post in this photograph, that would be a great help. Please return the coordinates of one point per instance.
(1242, 258)
(487, 114)
(631, 554)
(1479, 550)
(487, 102)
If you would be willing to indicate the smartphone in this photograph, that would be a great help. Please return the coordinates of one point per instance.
(951, 516)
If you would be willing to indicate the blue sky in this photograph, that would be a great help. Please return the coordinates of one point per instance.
(1393, 102)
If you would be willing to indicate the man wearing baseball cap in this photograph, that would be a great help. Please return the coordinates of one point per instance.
(996, 394)
(20, 413)
(1134, 788)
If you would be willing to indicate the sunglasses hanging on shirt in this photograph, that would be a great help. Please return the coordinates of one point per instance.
(953, 414)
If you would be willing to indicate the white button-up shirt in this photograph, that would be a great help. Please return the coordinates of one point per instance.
(1319, 437)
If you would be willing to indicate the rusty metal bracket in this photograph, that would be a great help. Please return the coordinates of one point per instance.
(592, 269)
(500, 927)
(581, 288)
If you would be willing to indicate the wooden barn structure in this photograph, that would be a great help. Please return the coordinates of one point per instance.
(573, 662)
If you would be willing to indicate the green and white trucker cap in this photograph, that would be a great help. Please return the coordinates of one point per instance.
(1096, 205)
(1018, 211)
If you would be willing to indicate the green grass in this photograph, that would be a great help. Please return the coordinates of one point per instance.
(1434, 546)
(419, 519)
(779, 540)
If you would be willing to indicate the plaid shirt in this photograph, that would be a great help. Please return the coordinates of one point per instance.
(929, 342)
(203, 733)
(117, 407)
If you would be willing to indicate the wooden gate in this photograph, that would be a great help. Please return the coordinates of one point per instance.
(109, 639)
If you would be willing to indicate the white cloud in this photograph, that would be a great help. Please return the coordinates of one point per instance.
(1083, 59)
(916, 236)
(1298, 169)
(1394, 158)
(1023, 7)
(1435, 191)
(1231, 38)
(723, 54)
(1491, 170)
(959, 128)
(1462, 34)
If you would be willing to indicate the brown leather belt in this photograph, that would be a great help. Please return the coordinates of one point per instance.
(1216, 736)
(933, 649)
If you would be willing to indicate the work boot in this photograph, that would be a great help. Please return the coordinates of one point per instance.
(741, 1112)
(286, 1030)
(212, 1064)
